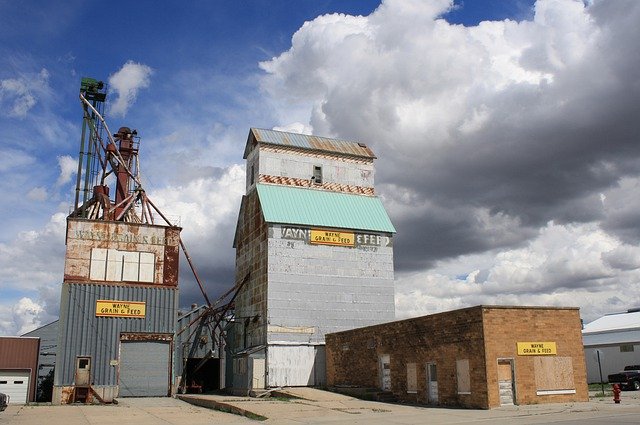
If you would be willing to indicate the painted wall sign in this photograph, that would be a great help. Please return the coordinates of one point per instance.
(359, 239)
(331, 237)
(111, 308)
(121, 237)
(536, 348)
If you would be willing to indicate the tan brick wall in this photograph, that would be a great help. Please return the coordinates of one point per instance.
(352, 356)
(504, 327)
(479, 334)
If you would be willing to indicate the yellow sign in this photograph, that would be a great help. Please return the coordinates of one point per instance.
(110, 308)
(537, 348)
(330, 237)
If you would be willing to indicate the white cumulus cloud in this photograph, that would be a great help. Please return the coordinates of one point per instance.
(19, 95)
(68, 168)
(126, 83)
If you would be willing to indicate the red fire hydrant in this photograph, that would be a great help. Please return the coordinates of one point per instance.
(616, 393)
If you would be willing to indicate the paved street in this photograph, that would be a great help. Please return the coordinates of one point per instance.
(320, 407)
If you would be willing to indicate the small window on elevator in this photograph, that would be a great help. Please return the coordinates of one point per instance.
(317, 174)
(253, 173)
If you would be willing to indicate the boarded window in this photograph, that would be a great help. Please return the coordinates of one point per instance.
(116, 266)
(463, 376)
(554, 375)
(412, 378)
(626, 348)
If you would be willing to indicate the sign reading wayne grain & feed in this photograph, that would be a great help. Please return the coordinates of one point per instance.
(537, 348)
(111, 308)
(331, 237)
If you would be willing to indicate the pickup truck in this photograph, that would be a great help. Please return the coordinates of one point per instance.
(629, 378)
(4, 401)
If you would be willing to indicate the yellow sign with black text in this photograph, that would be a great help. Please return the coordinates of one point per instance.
(111, 308)
(537, 348)
(331, 237)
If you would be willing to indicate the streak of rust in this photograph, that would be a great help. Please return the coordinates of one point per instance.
(141, 336)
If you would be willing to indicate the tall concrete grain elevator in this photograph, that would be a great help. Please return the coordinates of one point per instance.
(314, 245)
(120, 287)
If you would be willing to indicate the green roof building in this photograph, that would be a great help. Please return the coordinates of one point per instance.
(314, 246)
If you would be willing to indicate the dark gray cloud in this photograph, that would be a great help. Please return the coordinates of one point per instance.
(491, 139)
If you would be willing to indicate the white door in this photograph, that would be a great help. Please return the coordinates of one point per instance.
(385, 372)
(83, 371)
(432, 383)
(16, 385)
(258, 373)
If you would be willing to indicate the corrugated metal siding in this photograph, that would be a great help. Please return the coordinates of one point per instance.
(144, 368)
(305, 141)
(82, 333)
(48, 335)
(291, 365)
(292, 205)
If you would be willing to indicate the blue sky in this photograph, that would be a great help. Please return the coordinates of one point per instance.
(505, 134)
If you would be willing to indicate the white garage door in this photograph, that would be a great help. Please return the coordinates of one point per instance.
(144, 368)
(16, 385)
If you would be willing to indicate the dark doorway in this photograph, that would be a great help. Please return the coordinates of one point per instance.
(206, 378)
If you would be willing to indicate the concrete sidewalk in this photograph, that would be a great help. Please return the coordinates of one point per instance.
(317, 407)
(138, 411)
(321, 407)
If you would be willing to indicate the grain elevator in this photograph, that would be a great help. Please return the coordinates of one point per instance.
(314, 245)
(120, 287)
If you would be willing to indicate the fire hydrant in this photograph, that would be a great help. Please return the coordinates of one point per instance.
(616, 393)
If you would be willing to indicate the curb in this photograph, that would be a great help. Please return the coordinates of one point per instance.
(222, 407)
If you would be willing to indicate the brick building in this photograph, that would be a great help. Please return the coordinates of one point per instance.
(478, 357)
(314, 245)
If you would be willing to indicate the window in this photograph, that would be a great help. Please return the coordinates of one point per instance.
(626, 348)
(117, 266)
(463, 376)
(253, 171)
(317, 174)
(554, 375)
(412, 378)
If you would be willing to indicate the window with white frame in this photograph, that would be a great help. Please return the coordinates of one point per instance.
(122, 266)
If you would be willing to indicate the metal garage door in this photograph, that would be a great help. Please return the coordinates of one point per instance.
(144, 368)
(16, 385)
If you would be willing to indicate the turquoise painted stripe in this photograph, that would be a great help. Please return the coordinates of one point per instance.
(312, 207)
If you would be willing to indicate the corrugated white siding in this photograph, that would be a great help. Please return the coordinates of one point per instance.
(291, 365)
(612, 360)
